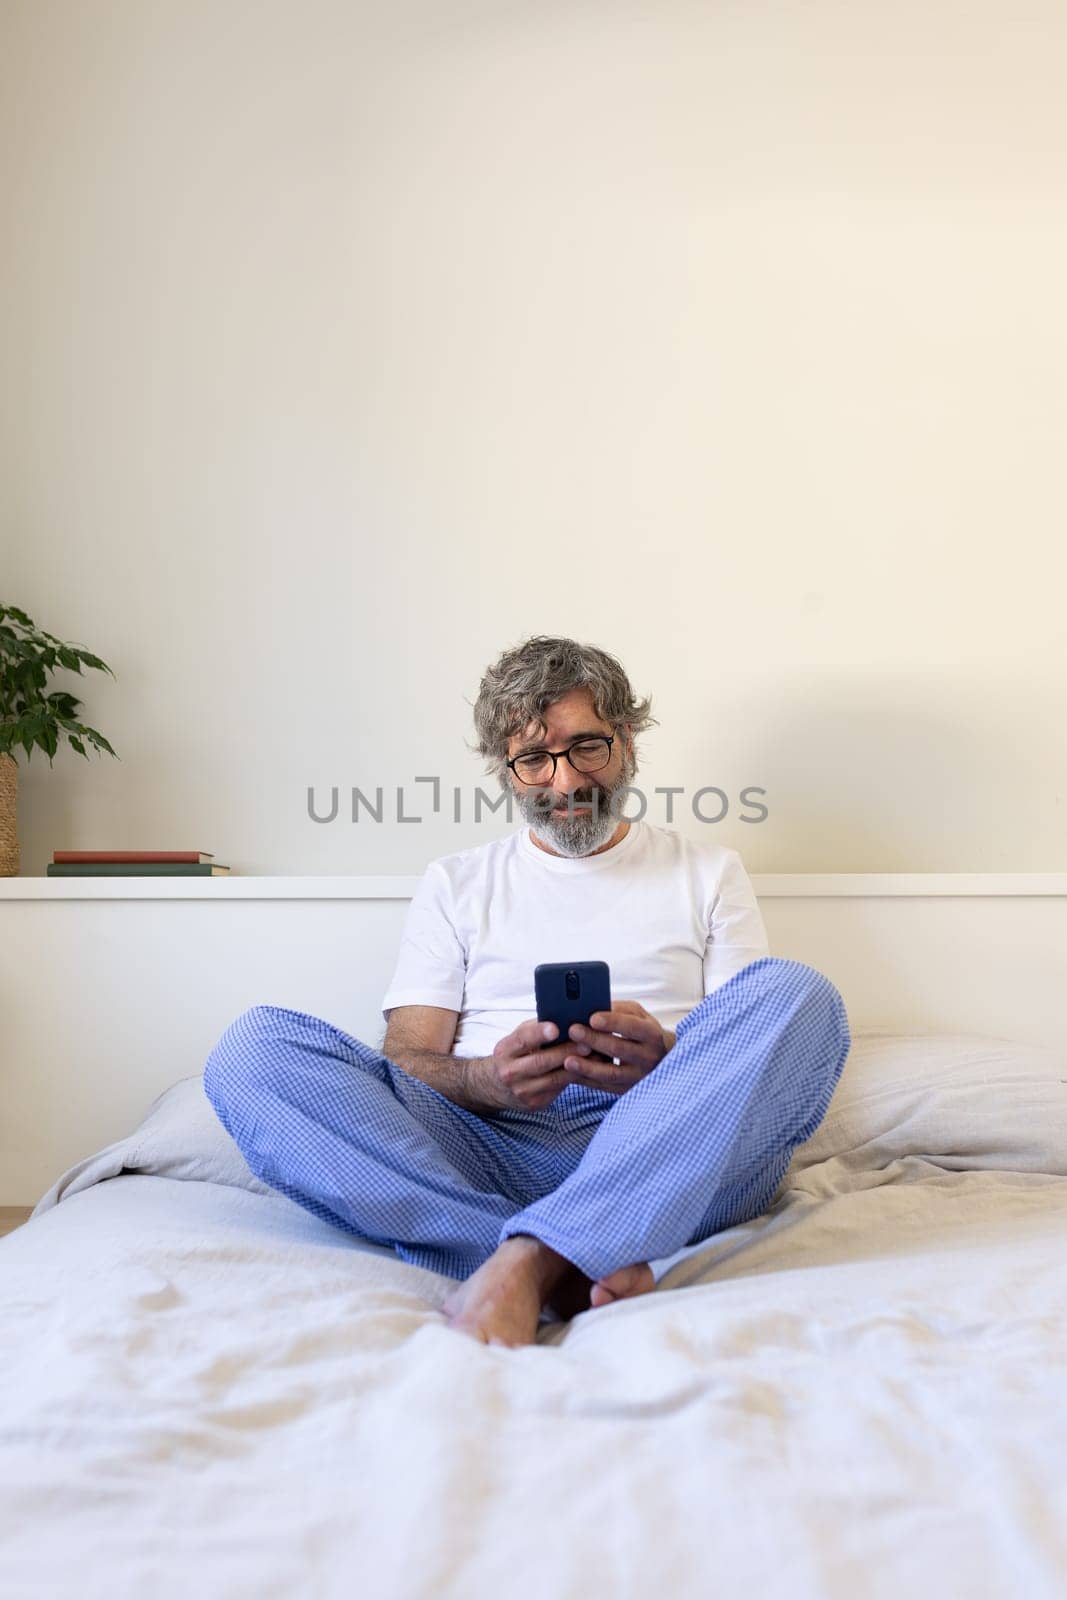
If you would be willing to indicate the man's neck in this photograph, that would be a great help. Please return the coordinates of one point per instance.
(617, 837)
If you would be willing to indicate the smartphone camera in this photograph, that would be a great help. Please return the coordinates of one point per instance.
(571, 985)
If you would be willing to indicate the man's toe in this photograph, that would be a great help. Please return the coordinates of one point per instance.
(623, 1283)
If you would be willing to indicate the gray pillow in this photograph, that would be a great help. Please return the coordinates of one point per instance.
(964, 1102)
(180, 1137)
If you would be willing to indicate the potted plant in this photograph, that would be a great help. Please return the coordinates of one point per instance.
(29, 716)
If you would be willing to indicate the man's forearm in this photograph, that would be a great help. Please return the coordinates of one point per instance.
(458, 1078)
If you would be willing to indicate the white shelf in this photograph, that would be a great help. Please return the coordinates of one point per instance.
(203, 888)
(774, 885)
(867, 885)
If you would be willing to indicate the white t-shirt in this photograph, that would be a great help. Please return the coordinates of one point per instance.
(672, 918)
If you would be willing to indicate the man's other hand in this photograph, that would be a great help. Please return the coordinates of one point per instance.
(628, 1035)
(525, 1071)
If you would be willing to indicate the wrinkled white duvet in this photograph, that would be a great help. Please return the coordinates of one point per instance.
(208, 1392)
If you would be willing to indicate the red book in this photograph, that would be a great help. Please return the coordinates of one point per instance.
(132, 855)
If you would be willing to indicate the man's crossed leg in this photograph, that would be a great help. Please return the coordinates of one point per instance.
(520, 1205)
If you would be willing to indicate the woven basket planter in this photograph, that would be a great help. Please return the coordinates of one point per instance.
(9, 834)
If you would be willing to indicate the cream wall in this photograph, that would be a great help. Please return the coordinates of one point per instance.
(346, 345)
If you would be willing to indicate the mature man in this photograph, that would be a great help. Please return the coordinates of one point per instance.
(543, 1177)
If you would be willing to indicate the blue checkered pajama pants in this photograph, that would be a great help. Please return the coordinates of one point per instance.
(699, 1144)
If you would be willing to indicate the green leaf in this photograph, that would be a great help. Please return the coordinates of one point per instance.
(63, 702)
(94, 661)
(68, 659)
(99, 740)
(76, 742)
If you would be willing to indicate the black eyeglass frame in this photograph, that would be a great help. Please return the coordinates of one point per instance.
(541, 783)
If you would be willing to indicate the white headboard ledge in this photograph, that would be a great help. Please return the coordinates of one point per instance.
(770, 885)
(113, 989)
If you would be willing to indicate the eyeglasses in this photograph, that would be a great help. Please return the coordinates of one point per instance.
(585, 755)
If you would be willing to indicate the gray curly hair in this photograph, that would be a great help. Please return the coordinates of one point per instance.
(525, 680)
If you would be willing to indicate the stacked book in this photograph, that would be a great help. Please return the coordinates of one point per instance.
(133, 864)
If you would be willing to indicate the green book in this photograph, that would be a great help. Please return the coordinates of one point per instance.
(134, 869)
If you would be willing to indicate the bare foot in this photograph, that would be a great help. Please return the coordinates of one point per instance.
(622, 1284)
(501, 1302)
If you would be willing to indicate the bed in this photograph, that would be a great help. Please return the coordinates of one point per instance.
(861, 1392)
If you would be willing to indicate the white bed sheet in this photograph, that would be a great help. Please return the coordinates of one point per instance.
(862, 1393)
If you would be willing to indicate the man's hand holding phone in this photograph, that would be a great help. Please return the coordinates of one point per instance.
(525, 1070)
(531, 1066)
(628, 1033)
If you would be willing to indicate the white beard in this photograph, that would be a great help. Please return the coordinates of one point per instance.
(579, 833)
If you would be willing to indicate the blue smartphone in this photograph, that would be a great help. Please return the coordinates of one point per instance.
(571, 991)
